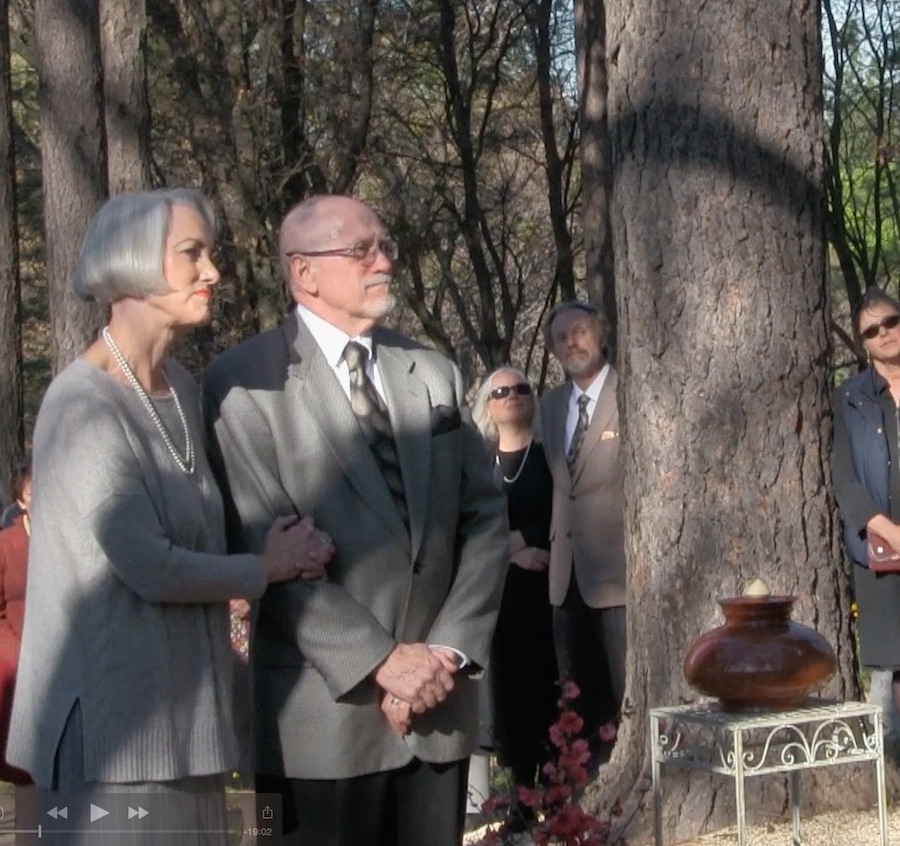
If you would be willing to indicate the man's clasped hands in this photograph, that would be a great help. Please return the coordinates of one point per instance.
(414, 677)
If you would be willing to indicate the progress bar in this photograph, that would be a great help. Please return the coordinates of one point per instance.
(39, 831)
(107, 817)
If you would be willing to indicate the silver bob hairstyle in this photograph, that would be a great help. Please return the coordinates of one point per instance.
(122, 253)
(481, 416)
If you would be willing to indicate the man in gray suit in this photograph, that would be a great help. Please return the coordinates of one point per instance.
(587, 548)
(365, 708)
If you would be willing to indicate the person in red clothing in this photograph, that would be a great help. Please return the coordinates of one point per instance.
(13, 569)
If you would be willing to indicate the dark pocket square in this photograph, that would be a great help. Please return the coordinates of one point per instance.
(444, 418)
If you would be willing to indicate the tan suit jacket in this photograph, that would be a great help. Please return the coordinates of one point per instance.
(285, 440)
(587, 528)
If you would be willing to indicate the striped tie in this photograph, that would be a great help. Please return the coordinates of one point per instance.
(578, 435)
(375, 423)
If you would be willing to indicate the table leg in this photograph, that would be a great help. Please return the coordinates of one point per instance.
(879, 779)
(738, 746)
(657, 790)
(794, 790)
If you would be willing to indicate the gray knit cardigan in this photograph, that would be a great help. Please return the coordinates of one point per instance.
(125, 607)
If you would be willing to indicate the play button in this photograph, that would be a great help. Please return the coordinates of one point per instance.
(98, 813)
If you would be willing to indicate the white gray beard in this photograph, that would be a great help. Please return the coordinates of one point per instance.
(384, 308)
(584, 366)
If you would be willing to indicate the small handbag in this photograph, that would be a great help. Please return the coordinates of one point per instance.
(882, 558)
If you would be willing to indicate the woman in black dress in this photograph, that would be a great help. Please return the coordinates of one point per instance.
(523, 672)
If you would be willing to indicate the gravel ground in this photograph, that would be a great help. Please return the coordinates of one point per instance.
(829, 829)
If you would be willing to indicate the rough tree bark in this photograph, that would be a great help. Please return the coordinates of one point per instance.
(123, 33)
(73, 152)
(12, 430)
(717, 212)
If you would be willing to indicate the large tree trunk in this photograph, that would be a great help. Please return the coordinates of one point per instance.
(11, 423)
(123, 34)
(74, 159)
(717, 210)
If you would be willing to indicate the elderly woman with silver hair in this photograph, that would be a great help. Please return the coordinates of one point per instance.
(523, 671)
(124, 680)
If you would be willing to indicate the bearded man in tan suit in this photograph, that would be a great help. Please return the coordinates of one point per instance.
(587, 549)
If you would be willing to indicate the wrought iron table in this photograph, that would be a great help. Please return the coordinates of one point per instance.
(822, 733)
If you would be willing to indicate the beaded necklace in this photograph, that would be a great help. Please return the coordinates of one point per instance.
(515, 476)
(185, 462)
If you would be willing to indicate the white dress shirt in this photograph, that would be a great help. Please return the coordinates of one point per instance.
(593, 392)
(332, 341)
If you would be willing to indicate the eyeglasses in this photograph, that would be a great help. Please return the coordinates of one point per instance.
(362, 251)
(892, 321)
(523, 389)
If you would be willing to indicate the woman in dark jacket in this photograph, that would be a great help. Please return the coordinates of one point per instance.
(867, 477)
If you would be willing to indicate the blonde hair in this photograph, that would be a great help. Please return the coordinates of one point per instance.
(482, 417)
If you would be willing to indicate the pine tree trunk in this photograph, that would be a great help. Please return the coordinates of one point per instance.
(716, 124)
(74, 159)
(11, 423)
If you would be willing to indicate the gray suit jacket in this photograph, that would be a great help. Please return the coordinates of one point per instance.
(285, 440)
(587, 529)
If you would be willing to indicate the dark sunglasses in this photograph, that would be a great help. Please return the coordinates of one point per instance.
(892, 321)
(523, 389)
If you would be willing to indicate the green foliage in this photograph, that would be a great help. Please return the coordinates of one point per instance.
(862, 44)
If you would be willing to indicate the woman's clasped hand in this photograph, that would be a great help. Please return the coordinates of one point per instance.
(295, 547)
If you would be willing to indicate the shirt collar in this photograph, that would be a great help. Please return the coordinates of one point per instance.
(592, 390)
(330, 339)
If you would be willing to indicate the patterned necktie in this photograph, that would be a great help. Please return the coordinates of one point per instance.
(375, 423)
(578, 435)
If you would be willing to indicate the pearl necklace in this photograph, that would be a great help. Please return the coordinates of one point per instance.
(185, 462)
(518, 472)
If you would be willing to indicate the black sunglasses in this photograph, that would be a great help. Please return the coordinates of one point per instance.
(522, 389)
(892, 321)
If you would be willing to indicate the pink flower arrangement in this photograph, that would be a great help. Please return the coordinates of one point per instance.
(559, 819)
